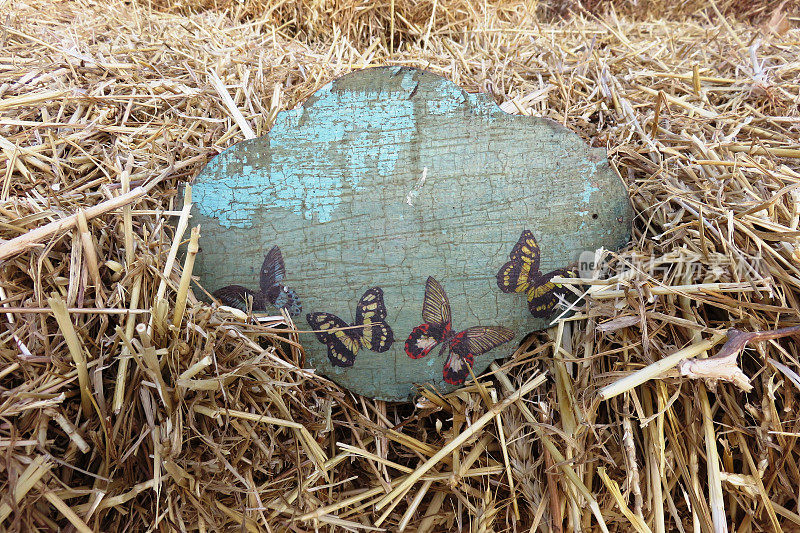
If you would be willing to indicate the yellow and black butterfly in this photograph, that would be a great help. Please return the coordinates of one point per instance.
(343, 344)
(461, 348)
(521, 274)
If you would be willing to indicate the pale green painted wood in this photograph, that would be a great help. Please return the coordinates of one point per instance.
(337, 184)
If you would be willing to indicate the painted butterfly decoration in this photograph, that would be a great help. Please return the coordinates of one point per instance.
(521, 274)
(460, 348)
(271, 290)
(343, 344)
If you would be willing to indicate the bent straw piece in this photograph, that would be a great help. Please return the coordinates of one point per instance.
(26, 481)
(127, 496)
(313, 449)
(65, 510)
(76, 349)
(654, 370)
(69, 429)
(90, 253)
(247, 131)
(36, 236)
(463, 437)
(186, 276)
(556, 454)
(122, 369)
(613, 488)
(180, 229)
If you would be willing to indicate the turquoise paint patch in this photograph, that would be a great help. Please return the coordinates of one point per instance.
(588, 188)
(483, 106)
(582, 215)
(310, 182)
(451, 98)
(408, 83)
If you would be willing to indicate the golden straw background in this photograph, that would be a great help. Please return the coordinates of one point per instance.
(127, 404)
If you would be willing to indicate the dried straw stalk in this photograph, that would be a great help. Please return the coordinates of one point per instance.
(126, 403)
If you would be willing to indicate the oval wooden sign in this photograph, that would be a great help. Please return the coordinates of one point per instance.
(413, 226)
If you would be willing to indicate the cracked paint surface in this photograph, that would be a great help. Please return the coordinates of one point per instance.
(330, 185)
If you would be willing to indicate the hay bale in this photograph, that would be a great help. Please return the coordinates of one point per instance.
(127, 403)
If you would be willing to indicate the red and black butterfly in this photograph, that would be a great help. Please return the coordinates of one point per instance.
(521, 274)
(461, 348)
(271, 290)
(343, 344)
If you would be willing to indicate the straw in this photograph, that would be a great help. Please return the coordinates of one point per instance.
(130, 402)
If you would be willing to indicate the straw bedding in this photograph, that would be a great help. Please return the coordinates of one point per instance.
(126, 403)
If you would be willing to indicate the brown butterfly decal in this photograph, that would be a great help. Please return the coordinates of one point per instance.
(460, 348)
(271, 290)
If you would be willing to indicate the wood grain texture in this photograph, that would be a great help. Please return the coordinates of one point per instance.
(338, 185)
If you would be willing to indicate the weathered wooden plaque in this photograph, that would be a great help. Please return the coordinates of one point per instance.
(417, 227)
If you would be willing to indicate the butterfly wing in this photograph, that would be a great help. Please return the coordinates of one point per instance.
(370, 307)
(469, 343)
(456, 367)
(423, 339)
(240, 297)
(436, 314)
(436, 306)
(481, 339)
(526, 249)
(517, 274)
(544, 294)
(272, 269)
(283, 297)
(342, 347)
(371, 313)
